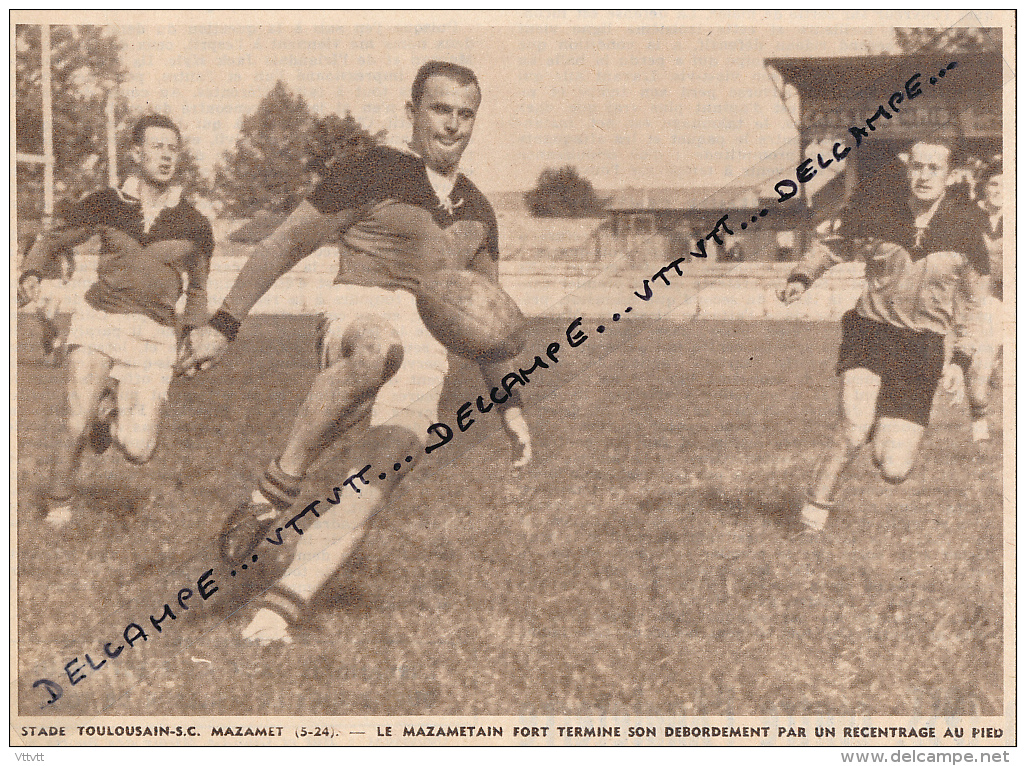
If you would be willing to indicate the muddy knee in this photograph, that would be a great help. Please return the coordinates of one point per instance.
(369, 342)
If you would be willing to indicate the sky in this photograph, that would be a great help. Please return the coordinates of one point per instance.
(635, 106)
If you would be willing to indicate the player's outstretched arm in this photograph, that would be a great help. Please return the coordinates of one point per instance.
(49, 247)
(513, 422)
(303, 232)
(299, 235)
(791, 291)
(828, 249)
(202, 348)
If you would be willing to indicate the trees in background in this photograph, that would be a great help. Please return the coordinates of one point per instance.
(85, 67)
(333, 138)
(266, 168)
(951, 40)
(563, 193)
(281, 148)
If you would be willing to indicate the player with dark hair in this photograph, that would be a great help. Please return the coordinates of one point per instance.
(148, 121)
(399, 215)
(122, 343)
(918, 246)
(459, 74)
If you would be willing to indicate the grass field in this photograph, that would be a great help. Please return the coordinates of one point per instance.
(640, 566)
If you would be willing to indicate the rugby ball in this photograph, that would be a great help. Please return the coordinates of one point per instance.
(471, 316)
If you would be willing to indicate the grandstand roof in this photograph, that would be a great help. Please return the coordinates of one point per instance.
(843, 76)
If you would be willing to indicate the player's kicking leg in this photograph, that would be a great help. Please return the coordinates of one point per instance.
(325, 546)
(361, 358)
(859, 390)
(390, 370)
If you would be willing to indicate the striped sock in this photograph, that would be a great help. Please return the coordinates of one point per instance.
(277, 487)
(283, 602)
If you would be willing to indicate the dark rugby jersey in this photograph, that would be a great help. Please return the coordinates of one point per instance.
(58, 264)
(392, 228)
(139, 271)
(400, 229)
(911, 275)
(993, 238)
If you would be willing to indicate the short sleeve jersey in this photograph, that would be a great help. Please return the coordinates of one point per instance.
(398, 229)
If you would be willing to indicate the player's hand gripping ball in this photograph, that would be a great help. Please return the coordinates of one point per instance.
(471, 316)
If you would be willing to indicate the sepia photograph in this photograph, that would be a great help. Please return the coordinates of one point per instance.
(513, 378)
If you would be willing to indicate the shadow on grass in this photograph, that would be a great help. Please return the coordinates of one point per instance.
(344, 592)
(113, 499)
(777, 506)
(97, 509)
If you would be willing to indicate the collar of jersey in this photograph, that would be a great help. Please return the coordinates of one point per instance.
(407, 149)
(927, 215)
(129, 192)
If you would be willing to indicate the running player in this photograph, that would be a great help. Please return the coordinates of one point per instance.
(990, 333)
(918, 246)
(400, 214)
(52, 298)
(122, 343)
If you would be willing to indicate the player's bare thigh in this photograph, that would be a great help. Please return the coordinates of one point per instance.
(87, 374)
(859, 391)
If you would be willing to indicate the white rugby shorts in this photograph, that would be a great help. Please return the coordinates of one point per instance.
(410, 398)
(143, 350)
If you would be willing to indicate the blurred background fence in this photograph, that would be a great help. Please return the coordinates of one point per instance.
(550, 285)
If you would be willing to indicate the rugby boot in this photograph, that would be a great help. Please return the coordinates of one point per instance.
(254, 519)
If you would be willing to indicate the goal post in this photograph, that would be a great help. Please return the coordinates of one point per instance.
(46, 158)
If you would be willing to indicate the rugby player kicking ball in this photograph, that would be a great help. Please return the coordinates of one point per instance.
(399, 215)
